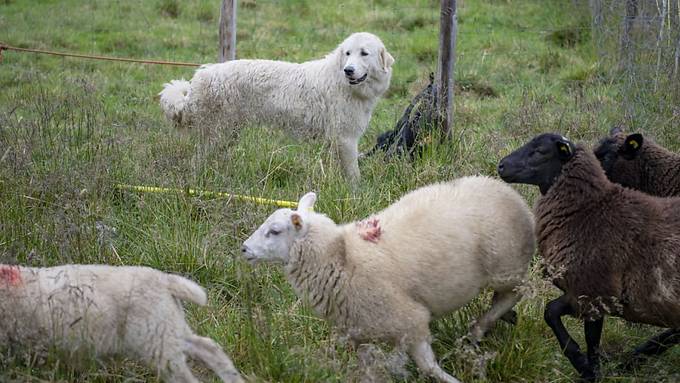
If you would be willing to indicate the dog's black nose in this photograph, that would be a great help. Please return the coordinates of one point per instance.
(349, 70)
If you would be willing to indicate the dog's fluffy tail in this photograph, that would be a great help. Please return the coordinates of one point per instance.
(186, 290)
(174, 99)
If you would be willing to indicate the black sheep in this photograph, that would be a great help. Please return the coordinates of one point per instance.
(636, 163)
(611, 250)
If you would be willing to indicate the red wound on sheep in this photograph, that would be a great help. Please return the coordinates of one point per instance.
(369, 230)
(10, 275)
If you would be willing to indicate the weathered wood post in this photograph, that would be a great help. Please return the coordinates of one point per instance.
(227, 31)
(448, 27)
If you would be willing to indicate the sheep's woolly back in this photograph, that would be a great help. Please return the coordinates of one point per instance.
(611, 249)
(465, 235)
(468, 214)
(658, 170)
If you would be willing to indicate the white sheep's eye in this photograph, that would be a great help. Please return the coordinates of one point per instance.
(347, 53)
(364, 53)
(273, 232)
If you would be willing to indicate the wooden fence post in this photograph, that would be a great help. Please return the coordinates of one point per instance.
(448, 27)
(227, 31)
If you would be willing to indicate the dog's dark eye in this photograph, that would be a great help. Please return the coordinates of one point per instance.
(364, 53)
(347, 53)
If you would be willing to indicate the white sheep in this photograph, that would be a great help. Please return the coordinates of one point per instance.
(428, 254)
(103, 311)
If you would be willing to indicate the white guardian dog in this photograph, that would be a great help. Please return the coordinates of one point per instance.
(331, 97)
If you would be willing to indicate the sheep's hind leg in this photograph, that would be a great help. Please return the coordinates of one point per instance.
(422, 354)
(554, 311)
(654, 346)
(501, 307)
(207, 351)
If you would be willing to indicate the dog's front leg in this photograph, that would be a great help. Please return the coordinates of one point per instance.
(348, 151)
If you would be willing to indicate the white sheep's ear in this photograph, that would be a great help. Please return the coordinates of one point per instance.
(386, 59)
(307, 202)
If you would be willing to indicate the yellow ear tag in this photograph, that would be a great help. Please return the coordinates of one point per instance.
(633, 144)
(564, 149)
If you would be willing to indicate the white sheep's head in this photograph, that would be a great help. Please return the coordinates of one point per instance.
(272, 241)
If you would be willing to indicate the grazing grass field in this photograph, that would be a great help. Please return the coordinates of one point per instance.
(71, 129)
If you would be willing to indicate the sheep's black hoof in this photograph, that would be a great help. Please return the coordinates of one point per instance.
(589, 375)
(594, 364)
(587, 371)
(510, 317)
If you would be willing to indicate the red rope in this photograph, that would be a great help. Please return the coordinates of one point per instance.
(41, 51)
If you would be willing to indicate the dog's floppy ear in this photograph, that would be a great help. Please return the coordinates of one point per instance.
(386, 59)
(339, 57)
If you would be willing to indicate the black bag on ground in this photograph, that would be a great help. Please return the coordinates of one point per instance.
(418, 116)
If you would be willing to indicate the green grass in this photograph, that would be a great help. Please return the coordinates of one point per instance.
(70, 129)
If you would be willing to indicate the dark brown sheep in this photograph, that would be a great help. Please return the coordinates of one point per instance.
(611, 250)
(640, 164)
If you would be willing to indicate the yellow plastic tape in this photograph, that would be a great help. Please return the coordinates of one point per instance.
(205, 193)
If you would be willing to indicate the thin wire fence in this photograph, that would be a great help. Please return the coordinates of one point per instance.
(638, 42)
